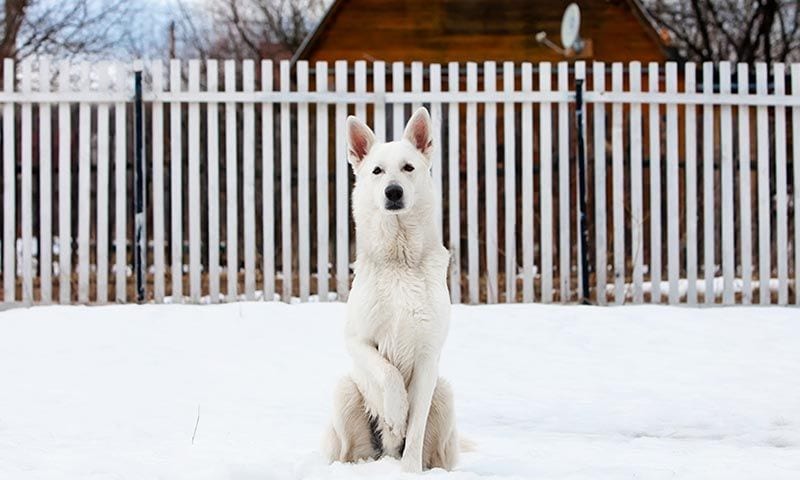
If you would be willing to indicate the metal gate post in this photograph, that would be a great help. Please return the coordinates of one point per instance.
(140, 236)
(584, 233)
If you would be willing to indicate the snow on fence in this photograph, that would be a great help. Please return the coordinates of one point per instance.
(692, 192)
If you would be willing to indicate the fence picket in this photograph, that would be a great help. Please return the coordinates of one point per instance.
(416, 82)
(435, 79)
(322, 183)
(745, 204)
(249, 181)
(565, 244)
(84, 185)
(637, 209)
(781, 218)
(764, 211)
(673, 228)
(454, 183)
(176, 185)
(599, 152)
(103, 161)
(655, 184)
(157, 121)
(9, 190)
(509, 177)
(618, 187)
(398, 109)
(212, 151)
(64, 186)
(303, 206)
(120, 191)
(45, 195)
(286, 186)
(268, 182)
(360, 84)
(726, 137)
(708, 186)
(26, 186)
(472, 186)
(379, 87)
(690, 84)
(231, 185)
(526, 170)
(194, 183)
(490, 172)
(342, 192)
(547, 238)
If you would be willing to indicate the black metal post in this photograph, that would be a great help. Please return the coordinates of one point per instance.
(584, 234)
(138, 190)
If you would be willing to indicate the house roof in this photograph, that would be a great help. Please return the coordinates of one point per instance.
(640, 12)
(658, 33)
(313, 37)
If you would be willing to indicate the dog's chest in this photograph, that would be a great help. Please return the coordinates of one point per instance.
(404, 318)
(401, 336)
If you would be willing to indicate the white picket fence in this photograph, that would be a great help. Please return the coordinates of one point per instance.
(690, 194)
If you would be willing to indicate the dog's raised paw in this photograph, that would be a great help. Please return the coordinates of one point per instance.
(395, 410)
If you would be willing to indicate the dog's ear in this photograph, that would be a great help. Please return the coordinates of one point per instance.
(359, 141)
(419, 132)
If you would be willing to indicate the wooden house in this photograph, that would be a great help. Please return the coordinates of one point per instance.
(439, 31)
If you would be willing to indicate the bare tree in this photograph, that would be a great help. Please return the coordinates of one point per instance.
(85, 27)
(63, 28)
(247, 28)
(13, 15)
(735, 30)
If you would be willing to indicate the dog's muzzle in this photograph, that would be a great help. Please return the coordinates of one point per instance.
(394, 197)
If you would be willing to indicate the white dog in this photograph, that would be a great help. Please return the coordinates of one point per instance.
(394, 402)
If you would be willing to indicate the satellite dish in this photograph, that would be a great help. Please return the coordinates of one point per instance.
(570, 29)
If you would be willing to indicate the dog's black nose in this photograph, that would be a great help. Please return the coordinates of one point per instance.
(394, 192)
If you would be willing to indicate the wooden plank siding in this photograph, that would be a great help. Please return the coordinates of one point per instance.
(454, 30)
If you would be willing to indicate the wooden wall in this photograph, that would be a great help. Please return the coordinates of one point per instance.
(475, 30)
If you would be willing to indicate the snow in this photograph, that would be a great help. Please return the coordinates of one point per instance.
(556, 392)
(717, 283)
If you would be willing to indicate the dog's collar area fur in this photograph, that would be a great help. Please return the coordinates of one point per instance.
(404, 239)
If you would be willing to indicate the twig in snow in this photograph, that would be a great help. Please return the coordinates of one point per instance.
(196, 423)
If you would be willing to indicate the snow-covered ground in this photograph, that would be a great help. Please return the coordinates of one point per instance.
(545, 392)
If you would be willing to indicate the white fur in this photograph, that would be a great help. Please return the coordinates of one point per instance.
(398, 310)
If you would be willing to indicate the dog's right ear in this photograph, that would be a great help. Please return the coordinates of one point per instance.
(359, 141)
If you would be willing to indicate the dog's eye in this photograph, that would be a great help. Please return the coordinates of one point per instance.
(377, 171)
(408, 167)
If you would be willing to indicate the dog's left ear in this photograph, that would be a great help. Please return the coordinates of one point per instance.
(419, 132)
(359, 141)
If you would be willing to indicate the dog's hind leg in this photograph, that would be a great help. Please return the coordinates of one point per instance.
(351, 437)
(391, 444)
(440, 449)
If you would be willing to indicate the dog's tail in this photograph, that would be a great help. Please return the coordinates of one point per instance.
(465, 445)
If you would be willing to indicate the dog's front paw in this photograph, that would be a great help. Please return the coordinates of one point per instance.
(395, 408)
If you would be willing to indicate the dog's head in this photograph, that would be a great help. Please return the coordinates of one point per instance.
(392, 177)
